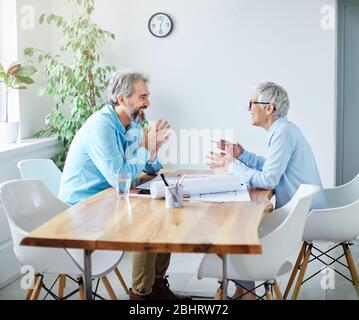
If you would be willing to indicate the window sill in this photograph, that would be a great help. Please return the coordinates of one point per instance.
(27, 146)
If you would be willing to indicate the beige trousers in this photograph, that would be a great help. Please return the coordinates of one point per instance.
(145, 267)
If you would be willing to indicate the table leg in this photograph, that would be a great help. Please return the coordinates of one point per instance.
(225, 279)
(88, 274)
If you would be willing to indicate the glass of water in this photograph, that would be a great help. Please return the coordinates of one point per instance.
(123, 185)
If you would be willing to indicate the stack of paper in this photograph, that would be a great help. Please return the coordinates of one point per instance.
(205, 185)
(232, 196)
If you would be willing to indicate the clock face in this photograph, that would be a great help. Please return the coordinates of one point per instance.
(160, 25)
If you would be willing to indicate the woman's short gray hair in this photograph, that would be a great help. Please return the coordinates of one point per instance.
(274, 94)
(123, 84)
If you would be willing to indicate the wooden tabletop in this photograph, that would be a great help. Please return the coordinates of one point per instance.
(104, 222)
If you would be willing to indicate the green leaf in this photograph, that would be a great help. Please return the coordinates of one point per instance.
(14, 68)
(50, 18)
(26, 80)
(26, 71)
(21, 88)
(42, 18)
(7, 81)
(1, 67)
(29, 52)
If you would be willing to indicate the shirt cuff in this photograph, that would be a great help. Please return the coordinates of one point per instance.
(232, 169)
(143, 155)
(152, 162)
(244, 157)
(241, 170)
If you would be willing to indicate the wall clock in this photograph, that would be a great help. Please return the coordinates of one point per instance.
(160, 25)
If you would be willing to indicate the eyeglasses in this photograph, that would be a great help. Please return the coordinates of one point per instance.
(255, 102)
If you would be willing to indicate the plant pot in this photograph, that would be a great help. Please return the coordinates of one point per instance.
(9, 132)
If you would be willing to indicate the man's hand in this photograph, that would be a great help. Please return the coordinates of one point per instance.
(234, 150)
(155, 136)
(220, 161)
(163, 133)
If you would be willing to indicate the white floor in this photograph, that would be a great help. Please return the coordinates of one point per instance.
(183, 279)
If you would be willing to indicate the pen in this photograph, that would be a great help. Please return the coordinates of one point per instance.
(180, 182)
(169, 189)
(164, 180)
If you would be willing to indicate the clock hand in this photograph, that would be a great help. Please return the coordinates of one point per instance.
(162, 21)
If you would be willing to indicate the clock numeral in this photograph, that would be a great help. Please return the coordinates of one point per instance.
(153, 25)
(160, 32)
(167, 24)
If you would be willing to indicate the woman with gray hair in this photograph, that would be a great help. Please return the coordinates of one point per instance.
(290, 161)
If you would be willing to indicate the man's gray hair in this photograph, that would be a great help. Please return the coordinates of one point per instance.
(274, 94)
(123, 84)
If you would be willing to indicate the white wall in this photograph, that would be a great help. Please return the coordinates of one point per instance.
(203, 73)
(8, 55)
(33, 108)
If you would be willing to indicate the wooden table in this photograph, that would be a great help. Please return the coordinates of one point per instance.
(104, 222)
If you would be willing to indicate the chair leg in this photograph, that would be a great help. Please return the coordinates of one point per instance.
(108, 287)
(277, 291)
(37, 289)
(295, 270)
(351, 265)
(30, 291)
(81, 289)
(269, 295)
(302, 273)
(122, 281)
(219, 293)
(62, 284)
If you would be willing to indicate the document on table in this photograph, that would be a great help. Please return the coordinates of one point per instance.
(147, 185)
(232, 196)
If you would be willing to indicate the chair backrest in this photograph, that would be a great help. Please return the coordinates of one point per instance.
(41, 169)
(282, 242)
(343, 195)
(27, 204)
(340, 224)
(290, 232)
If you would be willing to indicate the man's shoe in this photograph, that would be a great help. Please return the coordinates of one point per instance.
(161, 291)
(134, 296)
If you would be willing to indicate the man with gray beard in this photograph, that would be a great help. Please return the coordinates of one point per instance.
(112, 142)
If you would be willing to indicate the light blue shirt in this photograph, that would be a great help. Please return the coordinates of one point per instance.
(101, 149)
(290, 162)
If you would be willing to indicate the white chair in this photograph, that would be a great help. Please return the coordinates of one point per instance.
(281, 236)
(339, 223)
(28, 204)
(41, 169)
(47, 171)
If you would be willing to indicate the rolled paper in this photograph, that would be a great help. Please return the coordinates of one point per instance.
(202, 185)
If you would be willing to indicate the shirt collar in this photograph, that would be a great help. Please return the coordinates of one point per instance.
(118, 123)
(274, 127)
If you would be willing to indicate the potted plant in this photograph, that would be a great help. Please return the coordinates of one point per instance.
(15, 78)
(76, 86)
